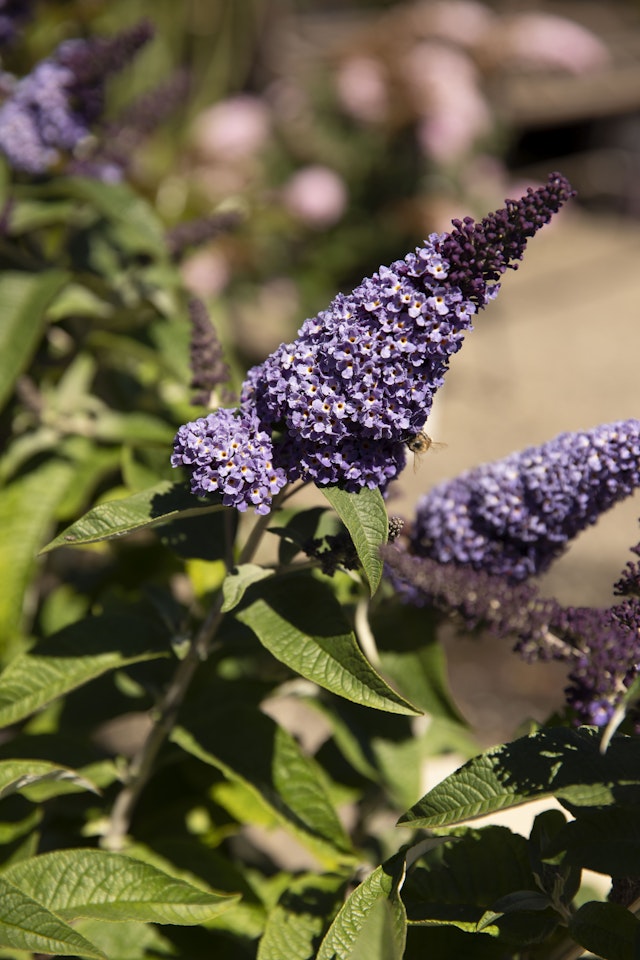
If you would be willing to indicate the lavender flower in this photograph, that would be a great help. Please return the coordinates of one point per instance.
(52, 109)
(515, 516)
(231, 456)
(343, 399)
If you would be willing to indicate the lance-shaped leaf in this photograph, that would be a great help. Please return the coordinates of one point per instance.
(365, 517)
(110, 886)
(69, 659)
(25, 776)
(26, 509)
(27, 925)
(300, 917)
(372, 923)
(301, 623)
(24, 298)
(560, 762)
(147, 508)
(238, 582)
(607, 930)
(250, 748)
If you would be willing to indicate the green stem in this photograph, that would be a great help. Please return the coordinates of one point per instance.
(142, 764)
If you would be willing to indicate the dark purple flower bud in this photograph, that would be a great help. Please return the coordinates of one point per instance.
(13, 16)
(479, 253)
(207, 366)
(197, 232)
(515, 516)
(479, 599)
(52, 109)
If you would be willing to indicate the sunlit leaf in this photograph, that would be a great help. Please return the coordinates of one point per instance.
(301, 623)
(26, 509)
(24, 298)
(372, 923)
(74, 656)
(300, 917)
(365, 517)
(26, 924)
(158, 504)
(23, 776)
(559, 762)
(109, 886)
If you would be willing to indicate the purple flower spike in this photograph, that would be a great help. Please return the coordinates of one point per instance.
(52, 109)
(228, 454)
(342, 401)
(513, 517)
(360, 378)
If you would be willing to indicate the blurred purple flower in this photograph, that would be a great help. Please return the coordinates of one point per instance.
(544, 40)
(51, 110)
(13, 16)
(362, 89)
(515, 516)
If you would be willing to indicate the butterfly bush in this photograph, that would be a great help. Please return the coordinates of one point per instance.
(479, 539)
(51, 111)
(515, 516)
(341, 401)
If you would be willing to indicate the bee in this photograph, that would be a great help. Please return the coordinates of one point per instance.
(419, 444)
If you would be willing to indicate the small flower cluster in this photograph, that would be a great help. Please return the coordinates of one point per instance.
(51, 110)
(515, 516)
(228, 454)
(359, 380)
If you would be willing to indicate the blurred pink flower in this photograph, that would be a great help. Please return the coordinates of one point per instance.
(463, 22)
(362, 89)
(316, 195)
(233, 129)
(206, 273)
(446, 91)
(546, 40)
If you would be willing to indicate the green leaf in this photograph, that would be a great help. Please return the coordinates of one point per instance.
(26, 925)
(23, 776)
(608, 930)
(24, 298)
(464, 882)
(250, 748)
(135, 225)
(300, 622)
(26, 509)
(412, 656)
(559, 762)
(372, 923)
(109, 886)
(165, 501)
(238, 582)
(74, 656)
(365, 517)
(607, 841)
(300, 918)
(528, 900)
